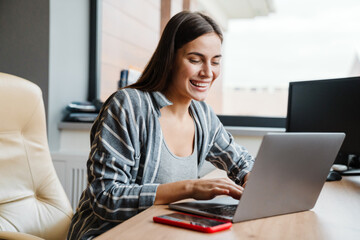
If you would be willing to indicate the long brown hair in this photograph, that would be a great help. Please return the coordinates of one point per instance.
(182, 28)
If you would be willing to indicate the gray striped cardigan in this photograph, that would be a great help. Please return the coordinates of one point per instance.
(125, 153)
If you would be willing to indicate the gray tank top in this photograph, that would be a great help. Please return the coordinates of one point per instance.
(173, 168)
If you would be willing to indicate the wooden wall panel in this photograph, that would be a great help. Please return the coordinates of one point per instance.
(165, 13)
(129, 29)
(144, 11)
(110, 75)
(130, 33)
(117, 52)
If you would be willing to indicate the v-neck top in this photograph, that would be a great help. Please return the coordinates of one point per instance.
(173, 168)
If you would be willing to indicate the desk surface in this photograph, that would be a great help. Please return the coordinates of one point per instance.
(336, 215)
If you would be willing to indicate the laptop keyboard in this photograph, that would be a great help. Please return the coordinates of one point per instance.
(228, 210)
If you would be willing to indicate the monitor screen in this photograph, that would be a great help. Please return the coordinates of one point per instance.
(327, 106)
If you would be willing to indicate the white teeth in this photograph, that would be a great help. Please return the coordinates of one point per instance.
(198, 84)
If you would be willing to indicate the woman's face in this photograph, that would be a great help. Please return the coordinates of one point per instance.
(197, 65)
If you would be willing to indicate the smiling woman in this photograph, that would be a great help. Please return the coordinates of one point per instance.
(197, 67)
(151, 138)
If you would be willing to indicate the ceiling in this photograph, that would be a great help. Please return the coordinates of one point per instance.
(223, 10)
(246, 8)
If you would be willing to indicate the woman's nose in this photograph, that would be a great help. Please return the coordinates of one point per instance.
(206, 71)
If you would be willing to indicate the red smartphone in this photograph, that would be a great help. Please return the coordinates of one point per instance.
(198, 223)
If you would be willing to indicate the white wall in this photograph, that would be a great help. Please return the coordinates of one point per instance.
(68, 60)
(47, 42)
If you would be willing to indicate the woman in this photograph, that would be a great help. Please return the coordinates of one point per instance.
(151, 138)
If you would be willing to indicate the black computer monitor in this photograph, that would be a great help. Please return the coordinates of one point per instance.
(331, 105)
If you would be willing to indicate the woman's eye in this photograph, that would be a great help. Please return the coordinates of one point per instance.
(194, 61)
(216, 61)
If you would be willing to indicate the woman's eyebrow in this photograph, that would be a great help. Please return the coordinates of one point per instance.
(202, 55)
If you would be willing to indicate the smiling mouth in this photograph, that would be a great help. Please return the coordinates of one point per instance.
(199, 84)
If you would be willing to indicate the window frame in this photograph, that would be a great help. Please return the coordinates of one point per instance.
(94, 78)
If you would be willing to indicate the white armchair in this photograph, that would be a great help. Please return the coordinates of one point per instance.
(33, 204)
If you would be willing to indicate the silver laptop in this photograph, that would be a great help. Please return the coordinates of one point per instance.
(288, 175)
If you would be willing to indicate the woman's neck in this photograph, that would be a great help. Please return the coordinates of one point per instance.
(180, 106)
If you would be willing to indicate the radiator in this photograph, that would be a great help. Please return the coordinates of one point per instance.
(77, 185)
(72, 173)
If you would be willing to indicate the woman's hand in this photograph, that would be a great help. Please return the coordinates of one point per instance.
(205, 189)
(200, 189)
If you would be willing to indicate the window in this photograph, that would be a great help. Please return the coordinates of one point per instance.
(298, 41)
(301, 40)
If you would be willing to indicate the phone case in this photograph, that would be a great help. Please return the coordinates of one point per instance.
(196, 224)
